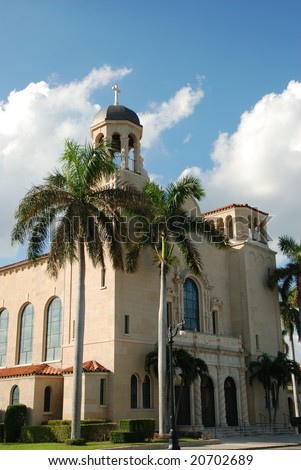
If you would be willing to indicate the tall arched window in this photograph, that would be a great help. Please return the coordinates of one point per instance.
(146, 392)
(54, 331)
(134, 391)
(47, 399)
(3, 336)
(15, 395)
(26, 335)
(191, 305)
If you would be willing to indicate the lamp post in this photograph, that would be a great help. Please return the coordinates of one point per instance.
(173, 438)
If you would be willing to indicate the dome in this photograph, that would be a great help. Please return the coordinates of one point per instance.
(116, 112)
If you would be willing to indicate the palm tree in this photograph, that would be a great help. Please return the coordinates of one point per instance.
(185, 365)
(190, 369)
(80, 215)
(289, 276)
(169, 224)
(290, 321)
(283, 371)
(273, 373)
(261, 369)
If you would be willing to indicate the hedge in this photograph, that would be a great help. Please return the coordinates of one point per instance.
(144, 426)
(133, 430)
(1, 432)
(56, 432)
(118, 437)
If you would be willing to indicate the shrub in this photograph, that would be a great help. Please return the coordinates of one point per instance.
(144, 426)
(58, 422)
(1, 432)
(57, 432)
(40, 433)
(14, 419)
(133, 430)
(46, 433)
(97, 431)
(118, 437)
(75, 442)
(296, 422)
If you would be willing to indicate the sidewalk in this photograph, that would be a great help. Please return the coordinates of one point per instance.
(268, 441)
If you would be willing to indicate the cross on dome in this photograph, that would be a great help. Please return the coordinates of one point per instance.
(116, 91)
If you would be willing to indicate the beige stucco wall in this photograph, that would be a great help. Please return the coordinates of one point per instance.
(233, 283)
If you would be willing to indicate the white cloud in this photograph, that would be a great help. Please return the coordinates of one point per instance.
(165, 115)
(187, 139)
(260, 163)
(34, 122)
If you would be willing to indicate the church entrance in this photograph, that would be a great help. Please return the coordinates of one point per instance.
(231, 402)
(182, 406)
(207, 398)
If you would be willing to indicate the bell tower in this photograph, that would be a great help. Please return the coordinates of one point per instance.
(122, 127)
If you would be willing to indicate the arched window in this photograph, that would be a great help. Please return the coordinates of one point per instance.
(146, 392)
(15, 395)
(220, 226)
(47, 399)
(229, 226)
(54, 331)
(134, 391)
(116, 145)
(191, 305)
(26, 335)
(3, 336)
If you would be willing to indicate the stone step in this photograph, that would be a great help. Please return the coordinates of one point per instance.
(247, 430)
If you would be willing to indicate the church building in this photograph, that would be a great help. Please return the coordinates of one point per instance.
(230, 317)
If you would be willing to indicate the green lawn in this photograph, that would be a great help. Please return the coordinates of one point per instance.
(60, 446)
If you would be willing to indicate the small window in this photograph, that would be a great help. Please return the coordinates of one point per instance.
(126, 324)
(134, 391)
(102, 392)
(15, 395)
(257, 342)
(214, 322)
(103, 278)
(146, 395)
(169, 313)
(47, 399)
(3, 336)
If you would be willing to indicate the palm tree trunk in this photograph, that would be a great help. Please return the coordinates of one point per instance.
(162, 351)
(294, 385)
(276, 404)
(78, 344)
(268, 397)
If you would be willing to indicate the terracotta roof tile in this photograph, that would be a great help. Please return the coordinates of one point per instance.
(229, 206)
(33, 369)
(88, 366)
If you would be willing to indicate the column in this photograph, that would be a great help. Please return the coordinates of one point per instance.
(221, 397)
(124, 143)
(243, 395)
(197, 402)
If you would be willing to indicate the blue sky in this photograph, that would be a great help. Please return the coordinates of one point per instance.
(216, 83)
